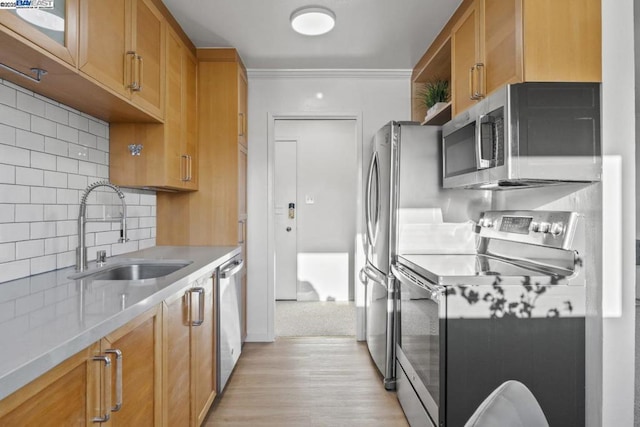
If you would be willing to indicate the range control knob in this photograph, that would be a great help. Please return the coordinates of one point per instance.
(535, 227)
(486, 222)
(557, 228)
(545, 227)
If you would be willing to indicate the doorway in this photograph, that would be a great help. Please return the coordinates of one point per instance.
(315, 198)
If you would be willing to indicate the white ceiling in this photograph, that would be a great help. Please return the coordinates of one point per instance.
(369, 34)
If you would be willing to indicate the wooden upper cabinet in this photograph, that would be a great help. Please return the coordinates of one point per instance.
(242, 107)
(465, 57)
(122, 47)
(168, 159)
(62, 43)
(496, 42)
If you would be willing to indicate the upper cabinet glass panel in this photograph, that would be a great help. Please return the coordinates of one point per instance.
(50, 22)
(53, 29)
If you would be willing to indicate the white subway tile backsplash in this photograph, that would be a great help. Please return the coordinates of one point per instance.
(67, 133)
(7, 213)
(16, 118)
(57, 114)
(30, 104)
(29, 249)
(67, 196)
(29, 213)
(29, 140)
(65, 164)
(14, 232)
(43, 126)
(7, 134)
(56, 146)
(28, 176)
(98, 156)
(15, 270)
(43, 195)
(7, 174)
(7, 252)
(66, 228)
(14, 193)
(43, 263)
(55, 212)
(98, 128)
(49, 153)
(7, 96)
(78, 182)
(43, 161)
(55, 179)
(42, 230)
(78, 152)
(78, 122)
(14, 156)
(56, 245)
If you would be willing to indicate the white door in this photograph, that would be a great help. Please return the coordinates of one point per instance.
(286, 212)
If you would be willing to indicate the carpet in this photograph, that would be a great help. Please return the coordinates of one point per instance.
(315, 318)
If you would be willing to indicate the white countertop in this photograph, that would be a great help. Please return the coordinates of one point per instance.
(46, 318)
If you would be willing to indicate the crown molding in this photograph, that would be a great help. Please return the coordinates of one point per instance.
(328, 73)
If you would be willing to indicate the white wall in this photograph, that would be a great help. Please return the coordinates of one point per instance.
(374, 96)
(619, 144)
(49, 153)
(327, 167)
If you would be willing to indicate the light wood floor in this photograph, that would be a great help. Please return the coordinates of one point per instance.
(319, 381)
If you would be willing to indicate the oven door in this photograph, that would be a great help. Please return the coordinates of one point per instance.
(421, 334)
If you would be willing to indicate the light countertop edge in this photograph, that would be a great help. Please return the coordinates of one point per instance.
(21, 367)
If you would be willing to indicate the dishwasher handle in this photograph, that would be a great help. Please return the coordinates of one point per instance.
(231, 269)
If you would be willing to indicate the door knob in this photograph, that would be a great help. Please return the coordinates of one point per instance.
(288, 229)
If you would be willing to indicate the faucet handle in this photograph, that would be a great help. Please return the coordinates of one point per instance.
(101, 258)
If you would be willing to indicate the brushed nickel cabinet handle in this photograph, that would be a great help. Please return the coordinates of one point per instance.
(479, 93)
(184, 159)
(118, 355)
(200, 292)
(106, 390)
(140, 73)
(471, 92)
(132, 61)
(189, 168)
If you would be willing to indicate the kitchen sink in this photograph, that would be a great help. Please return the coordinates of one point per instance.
(134, 271)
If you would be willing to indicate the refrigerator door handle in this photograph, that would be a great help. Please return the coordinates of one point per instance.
(370, 231)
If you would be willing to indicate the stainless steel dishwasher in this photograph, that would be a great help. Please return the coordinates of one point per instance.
(229, 315)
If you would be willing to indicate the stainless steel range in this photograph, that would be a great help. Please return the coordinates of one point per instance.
(515, 310)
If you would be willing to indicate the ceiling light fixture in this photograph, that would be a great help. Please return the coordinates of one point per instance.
(313, 20)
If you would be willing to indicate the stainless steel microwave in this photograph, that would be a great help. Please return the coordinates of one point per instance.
(523, 135)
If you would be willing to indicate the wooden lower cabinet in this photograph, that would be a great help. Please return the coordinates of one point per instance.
(139, 346)
(189, 349)
(67, 395)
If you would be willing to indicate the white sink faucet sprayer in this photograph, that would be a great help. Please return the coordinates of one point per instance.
(81, 250)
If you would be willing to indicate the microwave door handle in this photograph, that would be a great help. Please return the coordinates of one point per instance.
(483, 120)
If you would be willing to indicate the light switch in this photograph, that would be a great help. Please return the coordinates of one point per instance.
(308, 199)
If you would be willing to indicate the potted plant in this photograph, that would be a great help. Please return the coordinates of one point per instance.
(434, 95)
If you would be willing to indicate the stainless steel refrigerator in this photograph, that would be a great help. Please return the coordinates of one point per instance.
(404, 172)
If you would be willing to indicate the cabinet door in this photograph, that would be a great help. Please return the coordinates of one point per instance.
(502, 43)
(148, 40)
(242, 107)
(465, 56)
(203, 348)
(105, 37)
(65, 396)
(61, 42)
(176, 361)
(175, 162)
(190, 115)
(139, 344)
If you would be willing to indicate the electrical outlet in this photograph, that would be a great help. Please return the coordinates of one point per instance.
(309, 199)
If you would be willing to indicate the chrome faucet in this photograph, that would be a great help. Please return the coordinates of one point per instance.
(81, 250)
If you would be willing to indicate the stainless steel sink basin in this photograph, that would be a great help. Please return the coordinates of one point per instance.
(134, 271)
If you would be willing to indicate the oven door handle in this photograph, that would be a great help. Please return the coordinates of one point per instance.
(435, 290)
